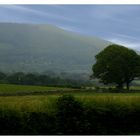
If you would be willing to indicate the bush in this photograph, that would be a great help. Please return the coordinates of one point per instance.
(38, 123)
(69, 116)
(10, 123)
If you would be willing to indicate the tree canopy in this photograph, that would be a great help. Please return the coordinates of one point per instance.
(117, 65)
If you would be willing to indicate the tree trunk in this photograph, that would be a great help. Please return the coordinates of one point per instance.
(120, 86)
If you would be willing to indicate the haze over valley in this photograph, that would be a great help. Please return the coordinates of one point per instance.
(45, 47)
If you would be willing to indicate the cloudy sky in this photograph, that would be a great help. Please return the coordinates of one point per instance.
(116, 23)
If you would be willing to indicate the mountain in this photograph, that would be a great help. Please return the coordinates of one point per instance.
(44, 47)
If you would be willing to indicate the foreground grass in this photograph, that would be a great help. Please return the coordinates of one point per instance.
(91, 113)
(30, 103)
(46, 103)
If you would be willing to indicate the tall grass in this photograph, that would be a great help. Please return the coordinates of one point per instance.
(28, 103)
(85, 113)
(46, 102)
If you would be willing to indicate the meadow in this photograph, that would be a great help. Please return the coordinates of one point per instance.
(78, 113)
(11, 89)
(44, 103)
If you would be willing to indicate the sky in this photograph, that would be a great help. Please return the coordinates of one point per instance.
(116, 23)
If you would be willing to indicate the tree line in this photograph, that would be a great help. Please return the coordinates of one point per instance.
(21, 78)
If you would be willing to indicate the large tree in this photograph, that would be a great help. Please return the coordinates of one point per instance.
(118, 65)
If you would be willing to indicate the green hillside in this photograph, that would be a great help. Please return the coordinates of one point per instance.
(39, 48)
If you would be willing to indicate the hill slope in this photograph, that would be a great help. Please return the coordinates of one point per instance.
(39, 48)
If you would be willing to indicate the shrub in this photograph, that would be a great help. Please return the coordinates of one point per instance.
(10, 123)
(38, 123)
(69, 116)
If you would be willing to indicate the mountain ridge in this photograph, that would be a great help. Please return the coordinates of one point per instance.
(41, 47)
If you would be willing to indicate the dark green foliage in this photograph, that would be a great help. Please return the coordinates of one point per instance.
(16, 78)
(38, 123)
(3, 77)
(31, 79)
(112, 121)
(28, 123)
(21, 78)
(69, 116)
(117, 65)
(10, 123)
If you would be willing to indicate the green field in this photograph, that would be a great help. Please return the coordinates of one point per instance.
(103, 113)
(45, 102)
(9, 89)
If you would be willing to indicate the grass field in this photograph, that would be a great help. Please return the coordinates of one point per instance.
(9, 89)
(44, 102)
(104, 113)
